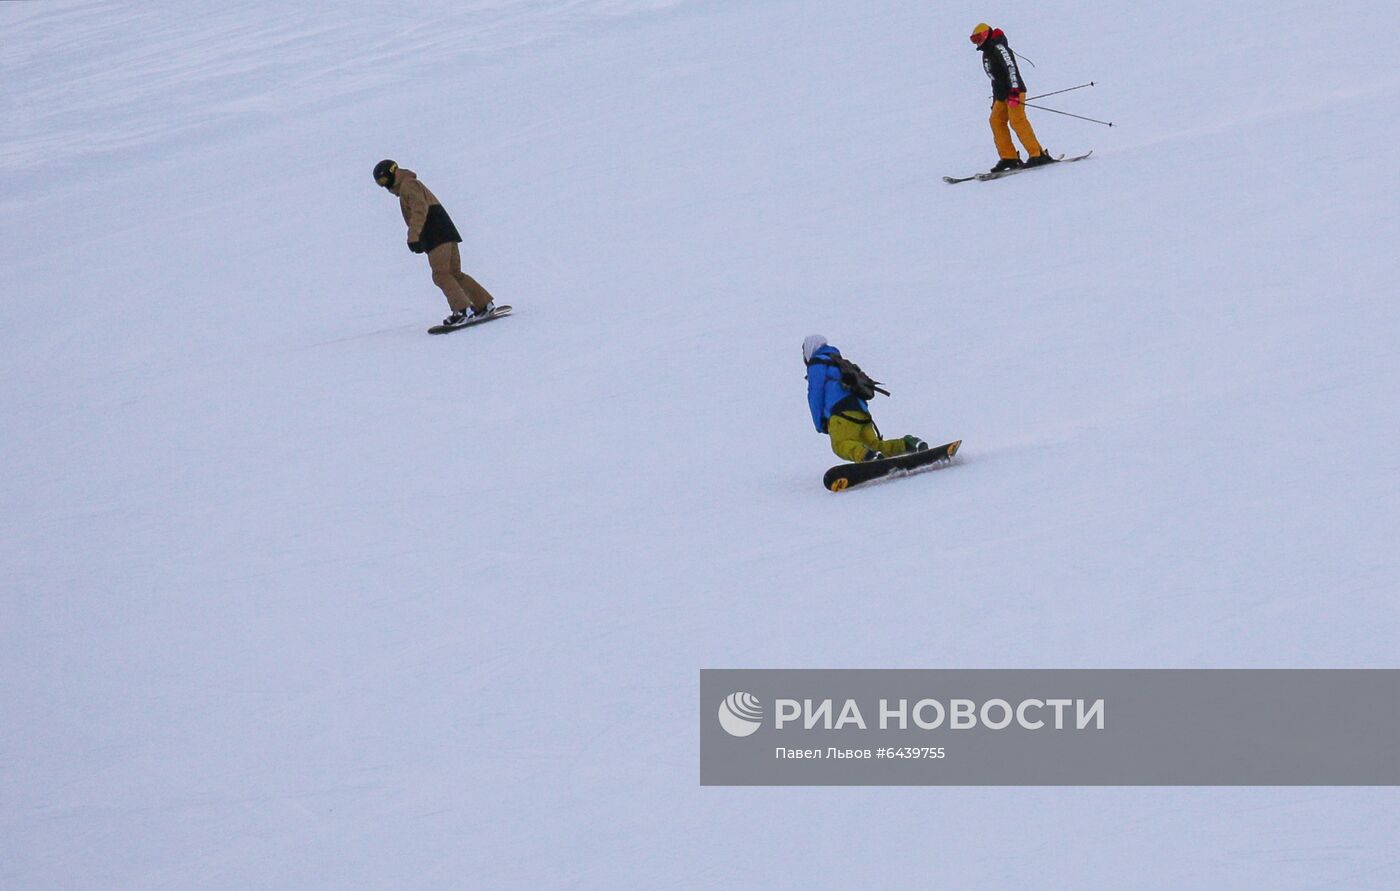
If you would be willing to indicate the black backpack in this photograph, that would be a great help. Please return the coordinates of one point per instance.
(861, 385)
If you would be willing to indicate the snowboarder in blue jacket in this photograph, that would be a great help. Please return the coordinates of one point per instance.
(833, 395)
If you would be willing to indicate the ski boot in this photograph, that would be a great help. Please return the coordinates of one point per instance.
(1007, 164)
(458, 318)
(1041, 160)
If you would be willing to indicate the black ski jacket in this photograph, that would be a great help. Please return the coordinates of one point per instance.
(1000, 63)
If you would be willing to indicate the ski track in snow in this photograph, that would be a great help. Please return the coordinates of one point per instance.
(99, 79)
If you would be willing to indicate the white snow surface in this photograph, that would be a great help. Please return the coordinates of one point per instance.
(296, 596)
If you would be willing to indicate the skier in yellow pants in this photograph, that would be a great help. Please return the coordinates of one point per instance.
(854, 436)
(836, 394)
(1008, 101)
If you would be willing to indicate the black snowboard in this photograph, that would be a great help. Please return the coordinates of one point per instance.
(448, 329)
(844, 476)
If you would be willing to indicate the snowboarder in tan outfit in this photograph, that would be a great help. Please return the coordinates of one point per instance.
(431, 232)
(1008, 101)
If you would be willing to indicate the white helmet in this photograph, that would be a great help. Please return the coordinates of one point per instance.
(813, 343)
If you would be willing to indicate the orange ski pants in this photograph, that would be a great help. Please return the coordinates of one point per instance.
(1001, 116)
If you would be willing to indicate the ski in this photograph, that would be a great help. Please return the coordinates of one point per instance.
(844, 476)
(983, 177)
(448, 329)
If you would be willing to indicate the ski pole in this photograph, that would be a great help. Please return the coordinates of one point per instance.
(1067, 114)
(1058, 92)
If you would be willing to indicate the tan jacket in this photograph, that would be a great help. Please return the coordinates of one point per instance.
(414, 201)
(427, 220)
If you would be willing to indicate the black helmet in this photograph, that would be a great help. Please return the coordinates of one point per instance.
(384, 172)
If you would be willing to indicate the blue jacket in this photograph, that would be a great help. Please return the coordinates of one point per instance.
(825, 394)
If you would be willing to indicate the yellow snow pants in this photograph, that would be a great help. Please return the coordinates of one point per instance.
(852, 434)
(1001, 115)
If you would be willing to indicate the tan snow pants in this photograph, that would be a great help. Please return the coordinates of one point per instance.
(460, 289)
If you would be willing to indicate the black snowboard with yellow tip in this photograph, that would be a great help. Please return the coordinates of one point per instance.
(844, 476)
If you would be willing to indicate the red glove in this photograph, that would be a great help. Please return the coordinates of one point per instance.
(1014, 100)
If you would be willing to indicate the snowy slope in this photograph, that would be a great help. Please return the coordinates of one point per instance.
(295, 596)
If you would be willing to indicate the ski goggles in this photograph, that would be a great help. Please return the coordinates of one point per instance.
(980, 37)
(384, 173)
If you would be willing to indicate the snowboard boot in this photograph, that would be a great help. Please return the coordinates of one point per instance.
(478, 316)
(1007, 164)
(872, 455)
(914, 444)
(1041, 160)
(457, 319)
